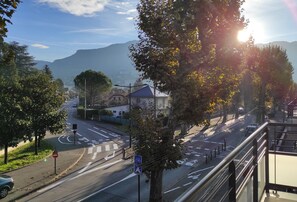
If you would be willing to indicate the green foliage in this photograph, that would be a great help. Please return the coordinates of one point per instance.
(105, 112)
(22, 156)
(44, 105)
(91, 83)
(154, 141)
(7, 8)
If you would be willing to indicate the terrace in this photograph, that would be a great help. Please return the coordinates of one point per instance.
(262, 168)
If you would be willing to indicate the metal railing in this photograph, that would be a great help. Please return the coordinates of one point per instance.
(245, 172)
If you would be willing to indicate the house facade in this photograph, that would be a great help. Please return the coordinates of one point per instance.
(146, 98)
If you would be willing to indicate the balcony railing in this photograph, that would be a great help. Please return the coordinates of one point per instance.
(263, 165)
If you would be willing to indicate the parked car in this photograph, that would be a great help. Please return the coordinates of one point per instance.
(6, 185)
(251, 128)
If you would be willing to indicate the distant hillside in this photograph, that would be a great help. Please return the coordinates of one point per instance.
(113, 61)
(291, 49)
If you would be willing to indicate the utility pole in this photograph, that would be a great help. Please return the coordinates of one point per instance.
(85, 98)
(130, 138)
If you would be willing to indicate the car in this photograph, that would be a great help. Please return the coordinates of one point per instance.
(6, 185)
(251, 128)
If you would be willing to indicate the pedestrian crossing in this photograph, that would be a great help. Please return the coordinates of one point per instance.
(103, 148)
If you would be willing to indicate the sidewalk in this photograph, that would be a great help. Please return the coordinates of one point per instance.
(30, 178)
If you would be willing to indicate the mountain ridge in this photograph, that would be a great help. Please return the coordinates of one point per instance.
(114, 61)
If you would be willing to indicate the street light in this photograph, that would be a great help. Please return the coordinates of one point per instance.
(130, 91)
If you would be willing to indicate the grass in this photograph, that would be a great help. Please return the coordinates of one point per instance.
(24, 155)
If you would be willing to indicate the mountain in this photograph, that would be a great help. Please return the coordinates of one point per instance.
(291, 49)
(113, 61)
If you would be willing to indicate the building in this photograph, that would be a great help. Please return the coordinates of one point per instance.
(148, 97)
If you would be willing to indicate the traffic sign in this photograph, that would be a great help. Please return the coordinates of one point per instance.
(137, 164)
(137, 159)
(55, 154)
(137, 169)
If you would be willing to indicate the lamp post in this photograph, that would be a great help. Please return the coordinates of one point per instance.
(130, 106)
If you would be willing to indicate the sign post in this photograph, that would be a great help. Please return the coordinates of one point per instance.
(138, 171)
(55, 156)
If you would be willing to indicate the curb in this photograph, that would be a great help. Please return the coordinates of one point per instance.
(52, 180)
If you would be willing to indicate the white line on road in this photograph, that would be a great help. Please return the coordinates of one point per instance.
(200, 170)
(165, 192)
(85, 168)
(126, 178)
(81, 174)
(187, 184)
(90, 150)
(99, 149)
(107, 147)
(94, 156)
(78, 134)
(115, 146)
(98, 133)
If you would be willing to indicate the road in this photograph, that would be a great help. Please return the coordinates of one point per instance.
(104, 176)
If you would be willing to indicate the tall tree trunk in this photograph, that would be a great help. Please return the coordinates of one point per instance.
(39, 140)
(5, 153)
(225, 113)
(261, 110)
(156, 186)
(36, 142)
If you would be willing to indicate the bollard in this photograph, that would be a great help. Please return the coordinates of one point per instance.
(222, 147)
(218, 150)
(225, 145)
(206, 158)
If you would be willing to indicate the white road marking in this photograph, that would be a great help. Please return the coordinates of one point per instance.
(78, 134)
(99, 149)
(115, 146)
(98, 133)
(110, 156)
(84, 173)
(187, 184)
(94, 141)
(90, 150)
(126, 178)
(165, 192)
(200, 170)
(94, 156)
(85, 168)
(107, 148)
(103, 131)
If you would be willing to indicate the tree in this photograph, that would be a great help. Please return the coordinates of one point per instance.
(13, 120)
(178, 50)
(23, 60)
(7, 8)
(44, 106)
(94, 83)
(274, 72)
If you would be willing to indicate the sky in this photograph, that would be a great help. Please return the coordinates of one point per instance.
(55, 29)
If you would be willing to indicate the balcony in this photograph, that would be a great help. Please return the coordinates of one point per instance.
(262, 168)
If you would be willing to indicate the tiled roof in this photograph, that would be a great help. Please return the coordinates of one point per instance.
(148, 92)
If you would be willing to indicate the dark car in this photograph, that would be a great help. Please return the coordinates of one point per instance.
(251, 128)
(6, 185)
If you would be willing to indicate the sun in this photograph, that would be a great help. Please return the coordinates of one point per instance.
(254, 30)
(243, 35)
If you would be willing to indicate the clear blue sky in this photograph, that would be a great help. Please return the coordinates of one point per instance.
(54, 29)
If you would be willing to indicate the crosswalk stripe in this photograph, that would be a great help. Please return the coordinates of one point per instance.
(115, 146)
(90, 150)
(99, 149)
(107, 148)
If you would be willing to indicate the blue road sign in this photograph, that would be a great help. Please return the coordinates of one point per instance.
(137, 160)
(137, 164)
(137, 169)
